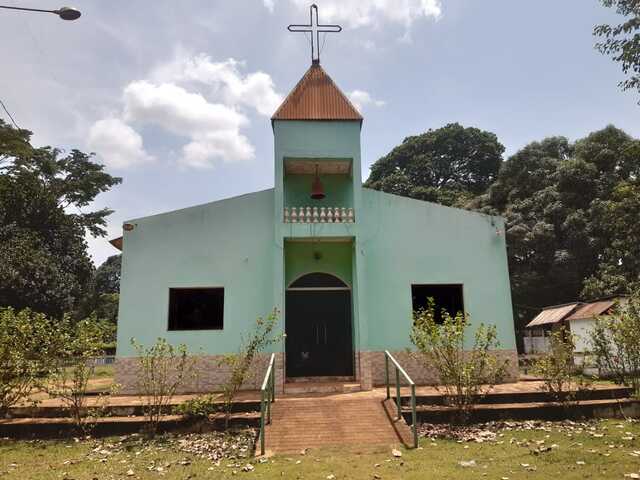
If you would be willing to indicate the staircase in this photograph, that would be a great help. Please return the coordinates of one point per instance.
(356, 419)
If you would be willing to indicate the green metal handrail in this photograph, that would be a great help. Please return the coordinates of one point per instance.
(399, 370)
(267, 396)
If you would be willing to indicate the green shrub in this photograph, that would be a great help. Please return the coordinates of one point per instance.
(82, 342)
(162, 370)
(240, 363)
(29, 348)
(556, 366)
(615, 343)
(465, 374)
(200, 407)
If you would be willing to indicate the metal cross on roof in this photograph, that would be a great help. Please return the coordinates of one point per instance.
(315, 28)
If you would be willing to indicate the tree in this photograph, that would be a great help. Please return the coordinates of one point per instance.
(569, 224)
(449, 165)
(44, 263)
(622, 41)
(107, 277)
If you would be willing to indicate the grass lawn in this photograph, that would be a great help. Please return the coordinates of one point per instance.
(608, 449)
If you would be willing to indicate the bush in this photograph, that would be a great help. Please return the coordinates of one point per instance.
(29, 348)
(82, 342)
(162, 370)
(240, 363)
(615, 343)
(464, 374)
(200, 407)
(556, 366)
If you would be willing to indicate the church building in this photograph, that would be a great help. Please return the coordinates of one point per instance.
(344, 265)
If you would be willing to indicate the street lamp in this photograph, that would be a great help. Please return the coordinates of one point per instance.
(65, 13)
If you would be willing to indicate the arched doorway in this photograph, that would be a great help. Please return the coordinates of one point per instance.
(318, 326)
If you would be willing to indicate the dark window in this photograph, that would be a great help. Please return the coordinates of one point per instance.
(196, 308)
(447, 297)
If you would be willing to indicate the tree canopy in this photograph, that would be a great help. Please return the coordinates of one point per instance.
(571, 225)
(44, 194)
(449, 165)
(622, 41)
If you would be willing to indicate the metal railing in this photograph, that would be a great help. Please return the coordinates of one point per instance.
(399, 370)
(267, 397)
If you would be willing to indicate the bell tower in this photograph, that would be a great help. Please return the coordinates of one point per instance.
(317, 153)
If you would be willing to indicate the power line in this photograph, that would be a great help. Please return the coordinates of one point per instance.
(7, 112)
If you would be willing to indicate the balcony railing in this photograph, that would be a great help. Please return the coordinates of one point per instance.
(318, 215)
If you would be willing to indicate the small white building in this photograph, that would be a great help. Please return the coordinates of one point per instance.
(539, 329)
(579, 318)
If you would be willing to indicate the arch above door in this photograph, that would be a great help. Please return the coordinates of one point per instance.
(318, 280)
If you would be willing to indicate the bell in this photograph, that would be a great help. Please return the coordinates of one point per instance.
(317, 190)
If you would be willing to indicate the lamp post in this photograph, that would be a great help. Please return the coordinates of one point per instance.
(65, 13)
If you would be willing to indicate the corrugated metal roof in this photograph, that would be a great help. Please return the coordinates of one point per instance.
(593, 309)
(552, 315)
(316, 97)
(117, 242)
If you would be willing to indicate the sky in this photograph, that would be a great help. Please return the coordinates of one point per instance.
(175, 97)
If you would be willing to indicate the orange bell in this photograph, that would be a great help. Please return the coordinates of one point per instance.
(317, 190)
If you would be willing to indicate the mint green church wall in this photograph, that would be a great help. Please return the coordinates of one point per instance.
(226, 244)
(335, 259)
(403, 242)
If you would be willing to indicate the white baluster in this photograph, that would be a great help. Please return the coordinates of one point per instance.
(308, 215)
(350, 217)
(323, 214)
(294, 215)
(315, 215)
(336, 215)
(343, 215)
(329, 215)
(286, 215)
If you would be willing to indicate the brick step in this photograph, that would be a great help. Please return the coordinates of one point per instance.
(604, 408)
(320, 379)
(307, 387)
(321, 421)
(600, 393)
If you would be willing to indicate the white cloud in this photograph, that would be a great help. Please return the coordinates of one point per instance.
(213, 128)
(117, 144)
(361, 13)
(192, 97)
(223, 145)
(362, 99)
(225, 81)
(177, 110)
